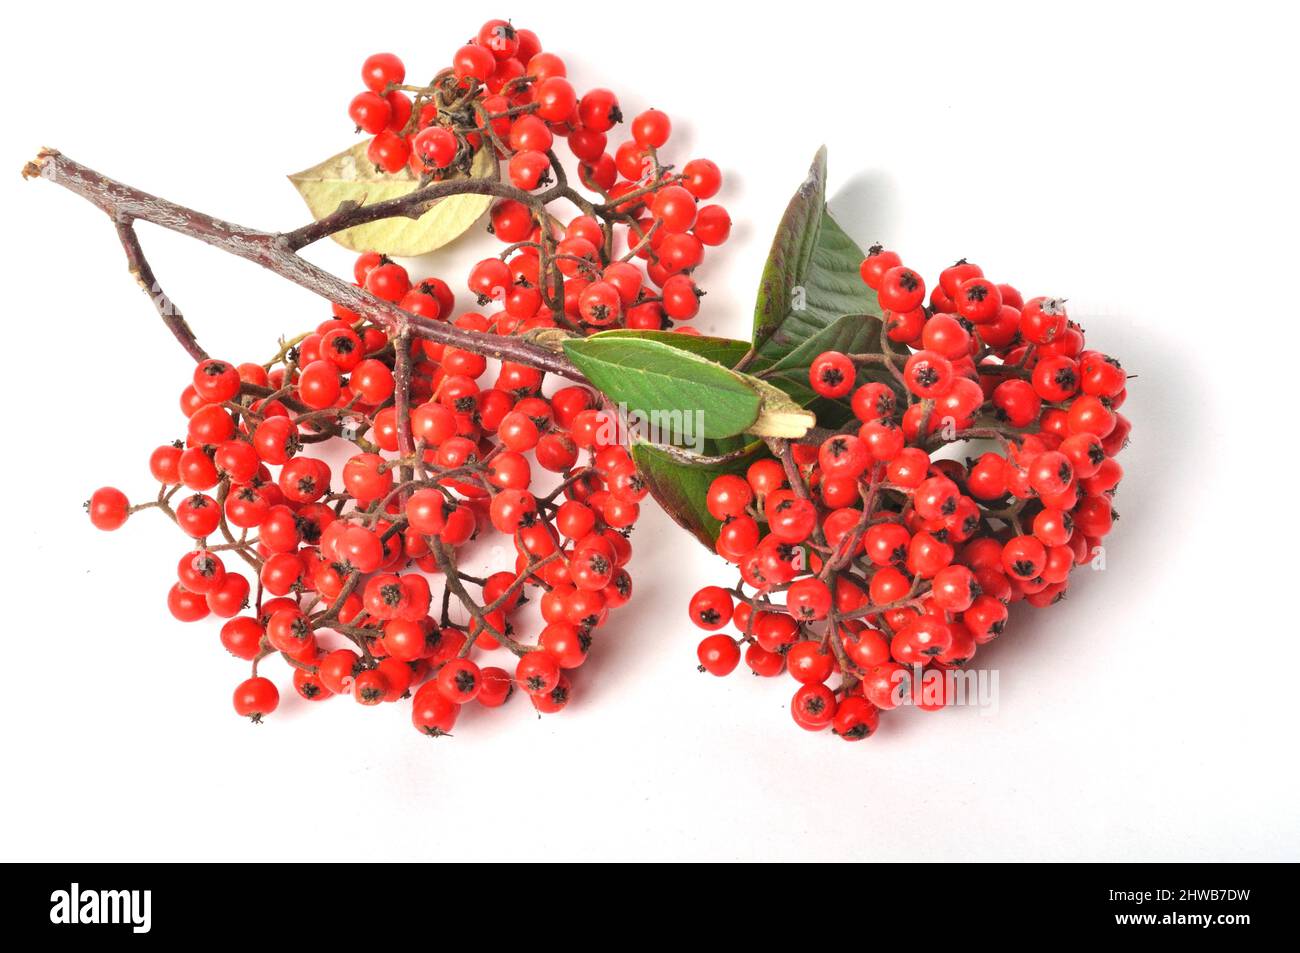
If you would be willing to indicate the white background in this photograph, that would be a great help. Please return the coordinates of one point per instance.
(1139, 161)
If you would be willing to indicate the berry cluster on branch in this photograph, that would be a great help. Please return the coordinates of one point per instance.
(626, 260)
(875, 554)
(342, 562)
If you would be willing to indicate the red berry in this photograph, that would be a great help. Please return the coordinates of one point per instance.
(186, 606)
(719, 655)
(497, 687)
(920, 640)
(389, 151)
(431, 712)
(674, 208)
(459, 681)
(728, 496)
(712, 225)
(832, 374)
(256, 697)
(927, 374)
(198, 515)
(499, 37)
(651, 129)
(550, 702)
(1042, 319)
(388, 281)
(600, 304)
(381, 70)
(598, 111)
(1023, 557)
(702, 178)
(711, 608)
(951, 278)
(813, 707)
(555, 99)
(537, 672)
(436, 146)
(109, 508)
(319, 385)
(901, 289)
(978, 300)
(473, 62)
(855, 719)
(216, 381)
(370, 112)
(242, 637)
(874, 266)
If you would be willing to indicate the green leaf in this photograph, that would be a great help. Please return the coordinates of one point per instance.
(725, 351)
(650, 377)
(792, 252)
(811, 279)
(811, 300)
(350, 176)
(778, 415)
(682, 489)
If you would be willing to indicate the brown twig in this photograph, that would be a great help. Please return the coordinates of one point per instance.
(143, 274)
(279, 254)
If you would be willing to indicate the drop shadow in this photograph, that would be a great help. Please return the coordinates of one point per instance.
(1164, 406)
(866, 206)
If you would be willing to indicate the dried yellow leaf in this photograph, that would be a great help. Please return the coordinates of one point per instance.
(351, 177)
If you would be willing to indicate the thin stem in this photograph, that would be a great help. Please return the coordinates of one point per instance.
(412, 205)
(143, 274)
(457, 588)
(402, 400)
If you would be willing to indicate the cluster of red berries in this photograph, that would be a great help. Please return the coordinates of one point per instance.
(342, 561)
(873, 555)
(503, 93)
